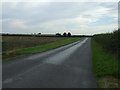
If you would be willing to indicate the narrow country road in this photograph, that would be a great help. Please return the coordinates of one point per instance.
(69, 66)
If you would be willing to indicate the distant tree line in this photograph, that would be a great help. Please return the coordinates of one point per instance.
(64, 34)
(45, 35)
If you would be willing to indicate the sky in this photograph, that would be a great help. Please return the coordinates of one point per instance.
(79, 18)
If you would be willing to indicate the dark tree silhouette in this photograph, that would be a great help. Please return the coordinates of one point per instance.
(58, 34)
(39, 33)
(64, 34)
(69, 34)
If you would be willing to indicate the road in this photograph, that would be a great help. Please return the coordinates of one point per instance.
(69, 66)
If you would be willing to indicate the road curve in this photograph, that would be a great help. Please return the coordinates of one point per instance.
(69, 66)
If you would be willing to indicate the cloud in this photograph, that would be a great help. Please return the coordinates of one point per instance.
(87, 30)
(65, 24)
(52, 17)
(19, 24)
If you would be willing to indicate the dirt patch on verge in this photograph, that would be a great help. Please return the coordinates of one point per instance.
(108, 82)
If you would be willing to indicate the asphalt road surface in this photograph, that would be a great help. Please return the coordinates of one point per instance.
(69, 66)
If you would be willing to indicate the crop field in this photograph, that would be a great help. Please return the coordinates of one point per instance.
(17, 42)
(14, 46)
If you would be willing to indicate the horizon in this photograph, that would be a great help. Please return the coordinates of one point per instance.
(83, 18)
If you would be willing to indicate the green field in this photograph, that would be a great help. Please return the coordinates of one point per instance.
(105, 66)
(20, 46)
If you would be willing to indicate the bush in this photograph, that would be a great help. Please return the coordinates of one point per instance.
(110, 41)
(69, 34)
(65, 34)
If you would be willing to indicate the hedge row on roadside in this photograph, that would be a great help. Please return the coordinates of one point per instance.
(110, 41)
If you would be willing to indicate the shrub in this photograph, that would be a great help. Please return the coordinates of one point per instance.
(110, 41)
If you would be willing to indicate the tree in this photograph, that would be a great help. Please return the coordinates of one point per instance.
(64, 34)
(69, 34)
(39, 33)
(58, 34)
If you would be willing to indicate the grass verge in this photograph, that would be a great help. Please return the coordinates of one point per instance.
(105, 67)
(31, 50)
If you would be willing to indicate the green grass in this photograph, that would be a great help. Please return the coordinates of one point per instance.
(16, 42)
(104, 63)
(40, 48)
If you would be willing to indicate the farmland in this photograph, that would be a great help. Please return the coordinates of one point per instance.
(13, 46)
(17, 42)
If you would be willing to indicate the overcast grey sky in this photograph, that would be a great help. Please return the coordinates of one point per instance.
(52, 17)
